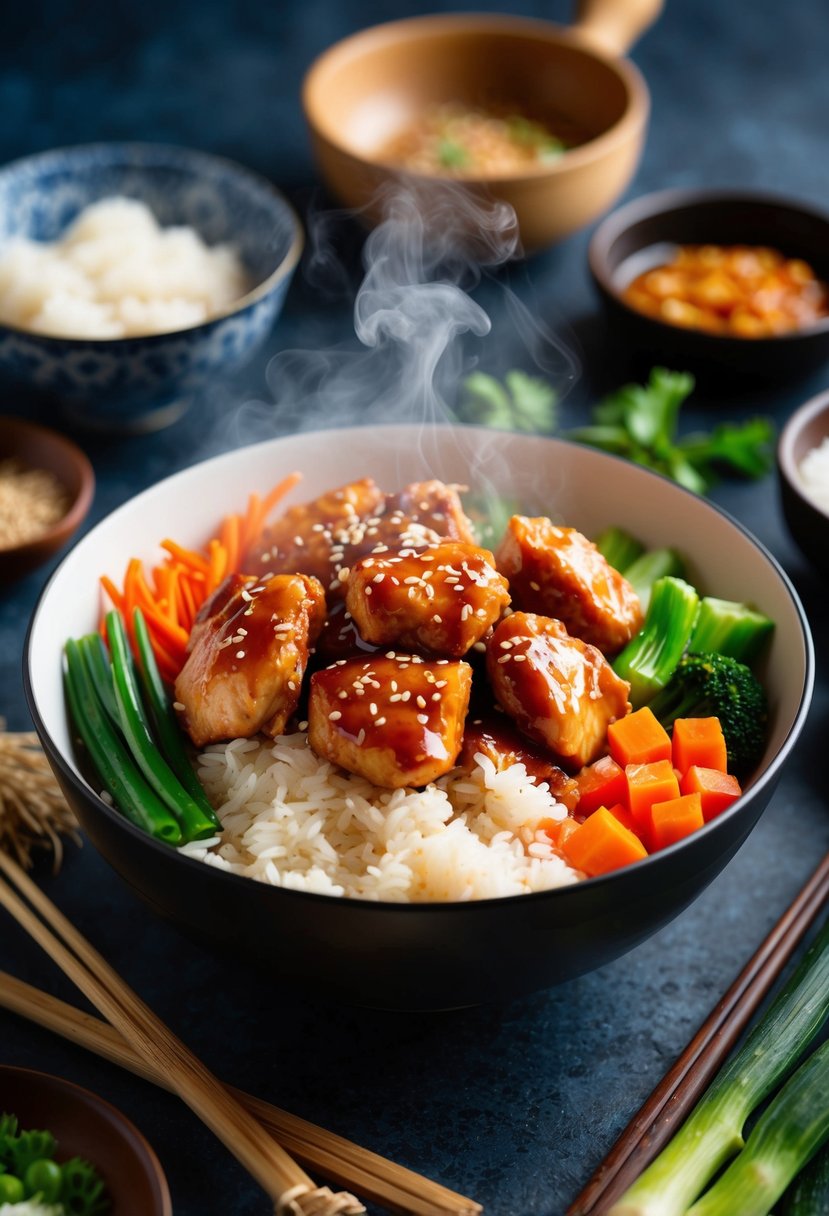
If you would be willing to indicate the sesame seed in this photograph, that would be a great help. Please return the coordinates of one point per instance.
(441, 683)
(334, 716)
(378, 578)
(379, 721)
(178, 705)
(246, 596)
(423, 719)
(361, 737)
(240, 654)
(421, 701)
(372, 709)
(506, 644)
(368, 591)
(535, 586)
(303, 725)
(520, 658)
(435, 696)
(505, 658)
(466, 611)
(437, 619)
(342, 694)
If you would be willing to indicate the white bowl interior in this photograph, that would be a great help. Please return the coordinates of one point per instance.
(574, 485)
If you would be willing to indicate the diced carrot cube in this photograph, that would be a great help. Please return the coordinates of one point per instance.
(647, 784)
(602, 844)
(620, 811)
(675, 819)
(698, 741)
(638, 738)
(600, 784)
(559, 830)
(717, 790)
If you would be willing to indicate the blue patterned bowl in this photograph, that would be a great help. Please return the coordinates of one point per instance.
(132, 384)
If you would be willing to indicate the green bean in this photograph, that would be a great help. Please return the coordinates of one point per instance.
(116, 768)
(195, 823)
(164, 719)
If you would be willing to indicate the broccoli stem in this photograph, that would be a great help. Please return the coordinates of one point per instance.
(730, 628)
(652, 565)
(619, 548)
(650, 658)
(714, 1131)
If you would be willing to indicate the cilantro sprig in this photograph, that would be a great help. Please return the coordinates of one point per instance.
(637, 421)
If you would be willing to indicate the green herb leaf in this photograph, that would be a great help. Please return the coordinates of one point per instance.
(747, 448)
(521, 403)
(452, 155)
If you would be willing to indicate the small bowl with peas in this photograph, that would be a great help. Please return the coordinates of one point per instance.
(66, 1150)
(717, 281)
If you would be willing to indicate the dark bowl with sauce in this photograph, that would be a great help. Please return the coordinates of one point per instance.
(440, 955)
(646, 233)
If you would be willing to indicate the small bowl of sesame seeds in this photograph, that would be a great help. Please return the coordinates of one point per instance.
(46, 490)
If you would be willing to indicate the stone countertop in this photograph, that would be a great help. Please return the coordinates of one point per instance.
(512, 1104)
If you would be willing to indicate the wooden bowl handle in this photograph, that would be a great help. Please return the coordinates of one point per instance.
(612, 26)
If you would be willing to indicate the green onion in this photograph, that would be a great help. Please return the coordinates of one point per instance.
(116, 767)
(809, 1194)
(452, 155)
(196, 823)
(785, 1137)
(714, 1132)
(164, 720)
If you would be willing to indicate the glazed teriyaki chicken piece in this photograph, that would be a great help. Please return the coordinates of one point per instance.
(395, 719)
(327, 536)
(558, 572)
(442, 599)
(558, 689)
(248, 654)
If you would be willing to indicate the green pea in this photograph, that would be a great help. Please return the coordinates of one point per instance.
(43, 1178)
(11, 1189)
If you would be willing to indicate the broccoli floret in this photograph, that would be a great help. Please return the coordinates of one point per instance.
(650, 657)
(718, 686)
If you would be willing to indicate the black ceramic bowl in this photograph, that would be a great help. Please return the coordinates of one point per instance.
(807, 521)
(644, 234)
(424, 956)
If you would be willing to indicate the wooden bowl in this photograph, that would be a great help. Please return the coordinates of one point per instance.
(806, 520)
(38, 447)
(84, 1125)
(365, 89)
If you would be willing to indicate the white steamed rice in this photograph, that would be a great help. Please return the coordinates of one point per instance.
(116, 274)
(294, 820)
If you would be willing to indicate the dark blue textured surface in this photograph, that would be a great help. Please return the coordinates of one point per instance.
(515, 1104)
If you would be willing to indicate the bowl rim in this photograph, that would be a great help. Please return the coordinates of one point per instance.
(126, 1128)
(436, 907)
(633, 118)
(792, 429)
(80, 505)
(661, 203)
(150, 153)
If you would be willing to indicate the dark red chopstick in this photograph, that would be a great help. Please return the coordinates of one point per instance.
(677, 1093)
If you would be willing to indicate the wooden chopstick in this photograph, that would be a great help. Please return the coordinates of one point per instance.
(340, 1160)
(677, 1093)
(291, 1189)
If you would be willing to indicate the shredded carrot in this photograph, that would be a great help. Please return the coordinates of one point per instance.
(699, 741)
(638, 738)
(173, 591)
(675, 819)
(602, 844)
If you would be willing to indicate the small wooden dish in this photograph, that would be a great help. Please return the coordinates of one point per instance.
(38, 447)
(84, 1125)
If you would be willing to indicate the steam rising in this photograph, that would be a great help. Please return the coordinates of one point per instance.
(419, 329)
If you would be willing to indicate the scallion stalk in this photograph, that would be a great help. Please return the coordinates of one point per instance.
(714, 1132)
(786, 1136)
